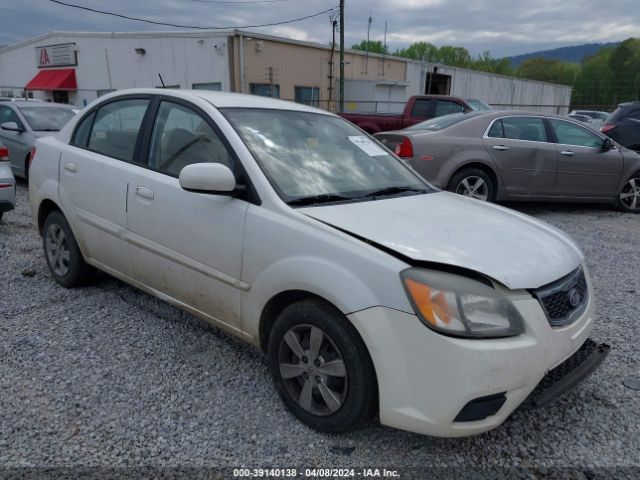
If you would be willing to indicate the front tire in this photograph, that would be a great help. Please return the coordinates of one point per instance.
(474, 183)
(61, 251)
(321, 368)
(629, 197)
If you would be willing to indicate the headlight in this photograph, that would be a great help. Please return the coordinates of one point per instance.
(459, 306)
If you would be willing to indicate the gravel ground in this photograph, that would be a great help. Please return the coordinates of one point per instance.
(109, 376)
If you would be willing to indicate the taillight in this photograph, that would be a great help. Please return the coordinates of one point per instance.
(607, 127)
(4, 154)
(404, 149)
(32, 154)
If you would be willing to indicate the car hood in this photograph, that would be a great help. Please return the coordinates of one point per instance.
(514, 249)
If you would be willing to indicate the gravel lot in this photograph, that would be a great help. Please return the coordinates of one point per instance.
(109, 376)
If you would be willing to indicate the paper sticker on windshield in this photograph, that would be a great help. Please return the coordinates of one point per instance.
(367, 146)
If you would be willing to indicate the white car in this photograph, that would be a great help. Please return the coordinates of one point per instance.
(369, 290)
(7, 183)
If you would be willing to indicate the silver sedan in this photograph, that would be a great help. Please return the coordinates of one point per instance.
(23, 121)
(520, 156)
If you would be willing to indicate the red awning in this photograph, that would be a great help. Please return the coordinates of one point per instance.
(62, 79)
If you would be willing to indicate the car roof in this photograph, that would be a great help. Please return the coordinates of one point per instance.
(222, 99)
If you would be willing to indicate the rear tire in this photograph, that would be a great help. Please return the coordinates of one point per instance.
(321, 368)
(629, 197)
(474, 183)
(64, 259)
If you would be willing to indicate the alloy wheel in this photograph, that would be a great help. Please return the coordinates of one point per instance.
(57, 249)
(474, 187)
(313, 370)
(630, 195)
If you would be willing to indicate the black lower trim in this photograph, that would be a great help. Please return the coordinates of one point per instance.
(481, 408)
(6, 206)
(568, 374)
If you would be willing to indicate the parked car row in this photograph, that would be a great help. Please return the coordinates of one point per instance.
(369, 290)
(520, 156)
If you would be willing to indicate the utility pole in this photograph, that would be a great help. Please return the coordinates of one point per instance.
(331, 75)
(271, 82)
(384, 48)
(341, 108)
(366, 65)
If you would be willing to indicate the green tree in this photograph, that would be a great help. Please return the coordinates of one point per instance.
(375, 46)
(453, 56)
(549, 70)
(486, 63)
(422, 51)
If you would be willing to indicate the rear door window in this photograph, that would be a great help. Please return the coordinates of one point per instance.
(444, 107)
(529, 129)
(116, 128)
(422, 109)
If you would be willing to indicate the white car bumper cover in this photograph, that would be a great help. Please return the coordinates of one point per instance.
(425, 378)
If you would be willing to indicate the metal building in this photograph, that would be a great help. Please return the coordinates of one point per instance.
(77, 67)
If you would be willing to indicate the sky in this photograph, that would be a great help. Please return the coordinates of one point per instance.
(504, 27)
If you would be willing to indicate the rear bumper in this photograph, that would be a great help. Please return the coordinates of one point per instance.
(7, 194)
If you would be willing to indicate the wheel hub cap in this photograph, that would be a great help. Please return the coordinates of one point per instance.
(57, 249)
(630, 195)
(474, 187)
(313, 370)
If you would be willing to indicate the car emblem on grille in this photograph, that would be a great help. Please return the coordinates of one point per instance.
(574, 297)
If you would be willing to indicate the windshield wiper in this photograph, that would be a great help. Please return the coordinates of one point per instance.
(318, 199)
(395, 190)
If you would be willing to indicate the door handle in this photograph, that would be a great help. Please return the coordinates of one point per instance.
(567, 153)
(144, 192)
(71, 167)
(502, 148)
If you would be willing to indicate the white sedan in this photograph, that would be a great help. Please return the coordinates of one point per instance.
(370, 291)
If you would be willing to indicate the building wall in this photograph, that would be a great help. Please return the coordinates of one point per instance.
(498, 90)
(289, 64)
(110, 62)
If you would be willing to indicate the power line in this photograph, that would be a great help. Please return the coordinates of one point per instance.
(194, 27)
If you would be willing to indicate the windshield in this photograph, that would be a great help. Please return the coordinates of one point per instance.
(47, 119)
(478, 105)
(439, 123)
(308, 154)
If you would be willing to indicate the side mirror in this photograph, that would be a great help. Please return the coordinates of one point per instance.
(207, 178)
(12, 127)
(607, 144)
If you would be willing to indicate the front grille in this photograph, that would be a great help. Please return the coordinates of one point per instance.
(565, 299)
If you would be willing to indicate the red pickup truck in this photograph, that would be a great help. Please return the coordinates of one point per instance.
(418, 109)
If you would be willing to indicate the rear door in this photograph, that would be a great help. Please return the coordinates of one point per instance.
(94, 170)
(526, 161)
(585, 169)
(187, 245)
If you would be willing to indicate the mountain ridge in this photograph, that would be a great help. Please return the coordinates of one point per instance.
(573, 53)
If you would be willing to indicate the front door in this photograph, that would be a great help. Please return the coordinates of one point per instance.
(527, 161)
(187, 245)
(585, 169)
